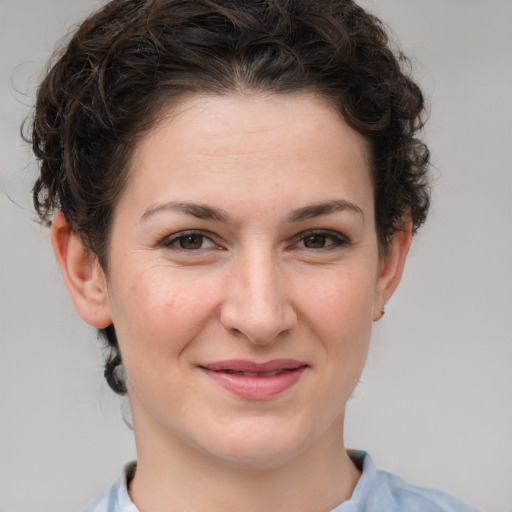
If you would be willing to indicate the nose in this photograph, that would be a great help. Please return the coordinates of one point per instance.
(257, 305)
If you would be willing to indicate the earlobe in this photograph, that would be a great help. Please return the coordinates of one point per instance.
(82, 274)
(391, 268)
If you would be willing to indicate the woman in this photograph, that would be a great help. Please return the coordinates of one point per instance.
(232, 189)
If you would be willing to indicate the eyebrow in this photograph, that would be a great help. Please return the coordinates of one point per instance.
(319, 209)
(201, 211)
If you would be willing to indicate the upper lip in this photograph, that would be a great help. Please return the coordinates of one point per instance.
(241, 365)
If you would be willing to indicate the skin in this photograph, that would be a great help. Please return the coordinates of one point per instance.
(252, 283)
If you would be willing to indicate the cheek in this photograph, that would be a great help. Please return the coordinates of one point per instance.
(341, 303)
(340, 315)
(159, 313)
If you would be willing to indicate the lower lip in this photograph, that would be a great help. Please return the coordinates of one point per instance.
(256, 388)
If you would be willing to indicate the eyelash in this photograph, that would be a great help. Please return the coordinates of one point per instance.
(172, 241)
(337, 240)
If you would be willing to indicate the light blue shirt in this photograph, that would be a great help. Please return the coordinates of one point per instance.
(376, 491)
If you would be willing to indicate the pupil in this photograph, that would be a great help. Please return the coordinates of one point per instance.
(315, 241)
(191, 242)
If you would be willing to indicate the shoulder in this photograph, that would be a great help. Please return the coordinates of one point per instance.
(116, 497)
(412, 498)
(379, 491)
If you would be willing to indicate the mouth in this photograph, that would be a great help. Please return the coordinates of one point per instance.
(256, 374)
(255, 381)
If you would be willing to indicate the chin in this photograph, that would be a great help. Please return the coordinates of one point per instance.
(259, 445)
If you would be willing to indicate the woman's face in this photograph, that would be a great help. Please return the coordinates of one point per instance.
(244, 276)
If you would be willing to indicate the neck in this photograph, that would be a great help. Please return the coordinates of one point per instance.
(173, 476)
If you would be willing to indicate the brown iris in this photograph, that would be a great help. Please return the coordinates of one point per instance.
(314, 241)
(191, 242)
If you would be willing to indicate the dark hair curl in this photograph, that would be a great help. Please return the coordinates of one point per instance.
(126, 62)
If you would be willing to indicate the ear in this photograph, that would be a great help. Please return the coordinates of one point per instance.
(82, 274)
(391, 267)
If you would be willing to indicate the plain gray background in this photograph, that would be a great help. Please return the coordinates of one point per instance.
(435, 401)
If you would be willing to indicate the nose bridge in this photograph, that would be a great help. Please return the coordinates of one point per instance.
(258, 305)
(263, 290)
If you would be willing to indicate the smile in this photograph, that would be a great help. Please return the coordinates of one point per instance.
(255, 381)
(257, 374)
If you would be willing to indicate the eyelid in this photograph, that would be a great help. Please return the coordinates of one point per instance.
(340, 240)
(168, 241)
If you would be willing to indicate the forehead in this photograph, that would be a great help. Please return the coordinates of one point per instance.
(248, 118)
(253, 145)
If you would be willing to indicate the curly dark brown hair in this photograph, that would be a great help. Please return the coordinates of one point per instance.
(107, 87)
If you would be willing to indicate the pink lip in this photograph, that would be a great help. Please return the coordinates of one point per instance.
(230, 375)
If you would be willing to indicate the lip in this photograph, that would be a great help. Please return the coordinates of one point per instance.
(255, 381)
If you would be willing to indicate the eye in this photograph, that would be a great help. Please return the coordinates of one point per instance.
(321, 240)
(189, 241)
(315, 241)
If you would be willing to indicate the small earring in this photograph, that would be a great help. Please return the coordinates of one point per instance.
(383, 310)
